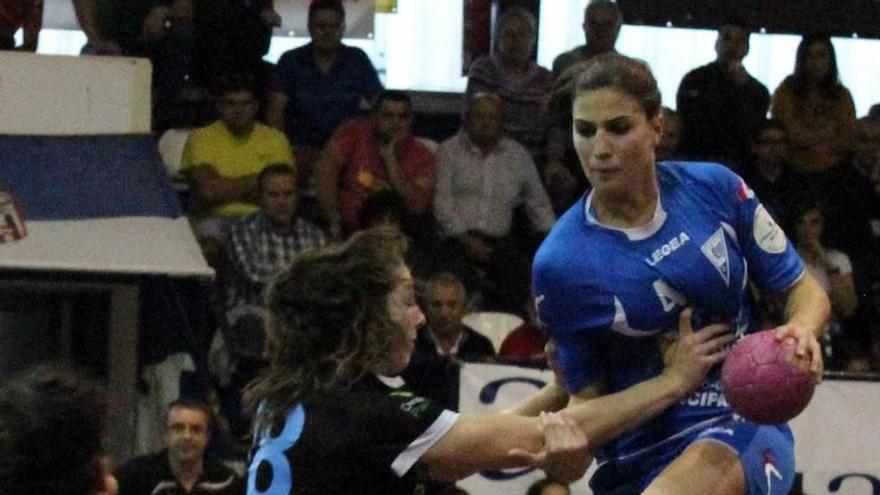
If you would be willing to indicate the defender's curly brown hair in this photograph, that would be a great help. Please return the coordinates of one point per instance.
(329, 322)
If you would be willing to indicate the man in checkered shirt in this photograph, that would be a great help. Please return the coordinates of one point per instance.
(260, 244)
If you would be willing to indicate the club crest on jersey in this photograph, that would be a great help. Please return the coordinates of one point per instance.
(668, 248)
(715, 250)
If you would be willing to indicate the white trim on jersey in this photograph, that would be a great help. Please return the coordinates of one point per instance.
(686, 431)
(621, 325)
(639, 233)
(415, 450)
(391, 381)
(731, 232)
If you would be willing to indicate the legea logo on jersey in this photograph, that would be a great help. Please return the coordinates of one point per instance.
(671, 246)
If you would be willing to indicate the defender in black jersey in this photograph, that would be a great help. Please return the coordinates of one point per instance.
(333, 416)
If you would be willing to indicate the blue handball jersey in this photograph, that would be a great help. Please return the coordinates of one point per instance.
(609, 296)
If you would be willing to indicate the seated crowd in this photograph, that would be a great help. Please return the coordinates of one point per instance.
(289, 158)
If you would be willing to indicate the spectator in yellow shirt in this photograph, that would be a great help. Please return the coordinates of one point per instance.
(222, 160)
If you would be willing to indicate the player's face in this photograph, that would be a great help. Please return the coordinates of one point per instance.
(186, 434)
(405, 311)
(614, 140)
(278, 198)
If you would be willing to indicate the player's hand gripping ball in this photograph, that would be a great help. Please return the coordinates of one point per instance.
(764, 381)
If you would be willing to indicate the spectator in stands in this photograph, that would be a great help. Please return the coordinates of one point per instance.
(482, 178)
(670, 139)
(181, 467)
(547, 486)
(816, 109)
(867, 149)
(372, 154)
(191, 45)
(387, 208)
(562, 173)
(721, 104)
(444, 342)
(769, 174)
(222, 161)
(166, 33)
(856, 359)
(832, 268)
(874, 112)
(522, 84)
(114, 28)
(383, 208)
(261, 244)
(854, 224)
(325, 84)
(853, 220)
(232, 37)
(602, 21)
(444, 334)
(875, 352)
(51, 424)
(26, 15)
(525, 344)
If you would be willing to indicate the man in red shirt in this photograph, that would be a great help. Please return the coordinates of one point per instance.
(372, 154)
(20, 14)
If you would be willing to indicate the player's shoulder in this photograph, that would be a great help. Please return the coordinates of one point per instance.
(694, 172)
(565, 238)
(705, 179)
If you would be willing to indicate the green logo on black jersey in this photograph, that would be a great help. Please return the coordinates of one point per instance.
(415, 406)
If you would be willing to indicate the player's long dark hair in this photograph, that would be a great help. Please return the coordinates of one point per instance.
(329, 321)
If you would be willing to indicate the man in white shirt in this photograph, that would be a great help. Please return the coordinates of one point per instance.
(482, 179)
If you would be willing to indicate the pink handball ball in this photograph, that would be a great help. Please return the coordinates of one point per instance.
(764, 381)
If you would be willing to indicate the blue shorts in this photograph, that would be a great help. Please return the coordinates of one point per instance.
(765, 451)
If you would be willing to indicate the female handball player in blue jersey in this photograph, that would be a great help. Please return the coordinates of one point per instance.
(334, 417)
(618, 269)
